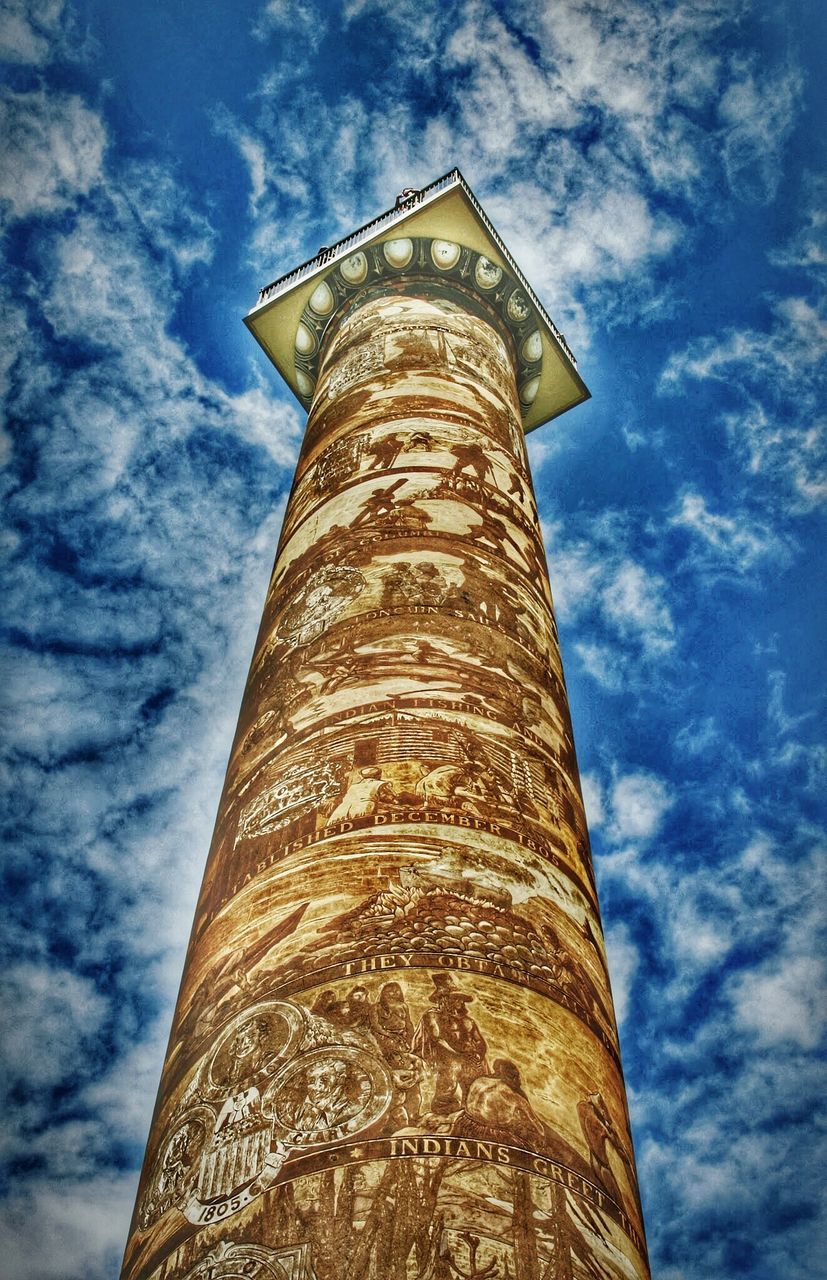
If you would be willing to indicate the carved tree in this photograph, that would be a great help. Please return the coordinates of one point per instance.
(342, 1234)
(429, 1223)
(559, 1268)
(369, 1241)
(526, 1256)
(282, 1215)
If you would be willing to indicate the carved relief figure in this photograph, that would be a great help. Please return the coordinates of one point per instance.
(471, 456)
(497, 1109)
(448, 1039)
(363, 795)
(601, 1134)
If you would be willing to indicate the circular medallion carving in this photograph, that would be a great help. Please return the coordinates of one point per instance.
(177, 1165)
(305, 383)
(229, 1261)
(518, 308)
(322, 299)
(305, 340)
(354, 269)
(528, 391)
(486, 273)
(327, 1094)
(398, 252)
(319, 601)
(254, 1046)
(445, 254)
(532, 348)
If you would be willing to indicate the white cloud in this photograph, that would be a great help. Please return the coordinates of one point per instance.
(252, 152)
(592, 799)
(639, 802)
(756, 902)
(298, 19)
(104, 288)
(635, 600)
(51, 152)
(758, 112)
(621, 605)
(514, 97)
(624, 961)
(783, 1000)
(776, 712)
(733, 1105)
(50, 1014)
(126, 1113)
(698, 936)
(30, 30)
(777, 373)
(89, 1218)
(608, 238)
(730, 543)
(604, 664)
(156, 196)
(794, 344)
(698, 737)
(151, 497)
(576, 572)
(807, 248)
(148, 504)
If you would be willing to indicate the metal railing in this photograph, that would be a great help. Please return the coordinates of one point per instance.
(404, 206)
(342, 247)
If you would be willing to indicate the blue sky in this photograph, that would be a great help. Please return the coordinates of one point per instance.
(654, 169)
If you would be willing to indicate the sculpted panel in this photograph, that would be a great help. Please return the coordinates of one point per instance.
(408, 903)
(444, 1215)
(416, 1053)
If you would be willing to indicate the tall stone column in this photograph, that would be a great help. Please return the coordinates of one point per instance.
(394, 1055)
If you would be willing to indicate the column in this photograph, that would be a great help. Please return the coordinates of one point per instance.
(394, 1055)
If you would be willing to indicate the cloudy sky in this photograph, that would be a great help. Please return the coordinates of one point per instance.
(653, 166)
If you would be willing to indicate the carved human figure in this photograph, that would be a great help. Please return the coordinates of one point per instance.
(326, 1005)
(495, 533)
(471, 456)
(510, 614)
(354, 1012)
(430, 584)
(327, 1101)
(392, 1028)
(449, 1041)
(497, 1109)
(600, 1132)
(408, 516)
(337, 667)
(379, 503)
(447, 783)
(362, 796)
(398, 586)
(384, 453)
(177, 1166)
(390, 1021)
(247, 1052)
(420, 442)
(517, 489)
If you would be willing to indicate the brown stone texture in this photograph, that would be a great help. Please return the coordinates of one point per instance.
(394, 1055)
